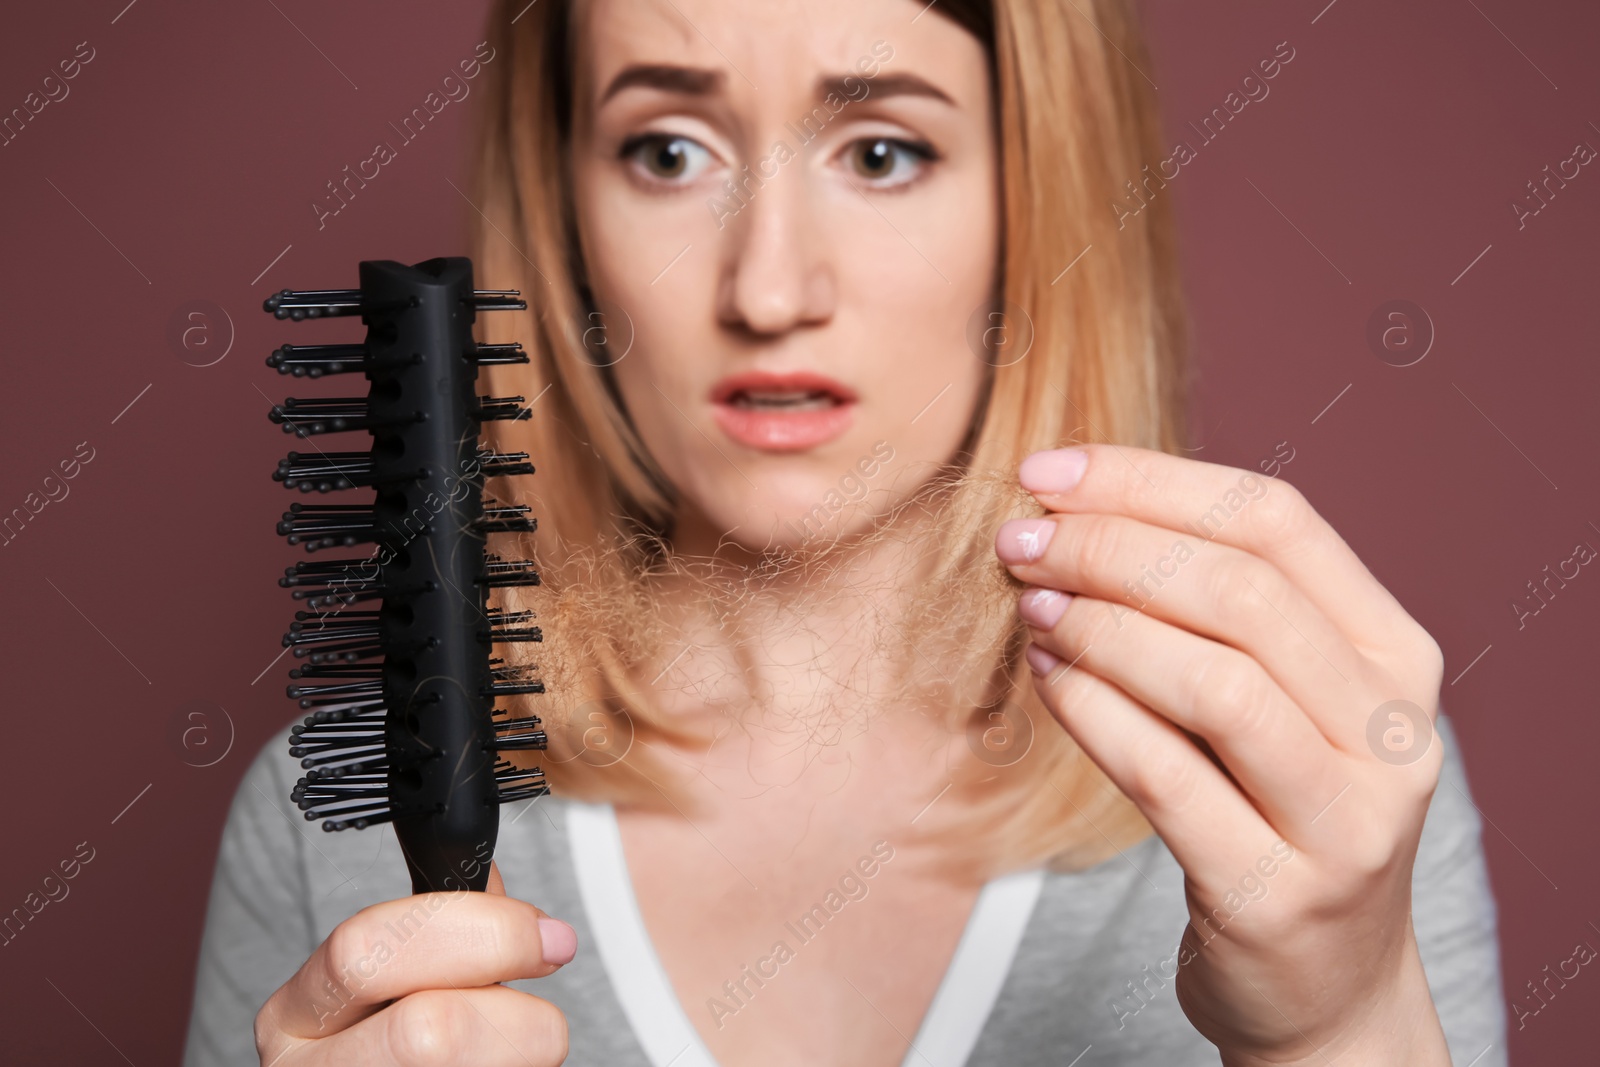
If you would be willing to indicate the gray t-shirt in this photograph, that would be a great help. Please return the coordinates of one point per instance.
(1087, 986)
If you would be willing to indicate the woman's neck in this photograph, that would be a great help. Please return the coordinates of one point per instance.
(791, 674)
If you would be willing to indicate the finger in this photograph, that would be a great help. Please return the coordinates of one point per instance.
(1211, 589)
(420, 942)
(488, 1027)
(1265, 516)
(1275, 753)
(497, 884)
(1205, 821)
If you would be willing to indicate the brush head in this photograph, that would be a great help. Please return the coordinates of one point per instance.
(399, 674)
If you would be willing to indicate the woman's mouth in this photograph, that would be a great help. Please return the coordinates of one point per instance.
(783, 401)
(782, 412)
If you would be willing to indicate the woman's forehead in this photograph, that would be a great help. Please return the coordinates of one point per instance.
(773, 48)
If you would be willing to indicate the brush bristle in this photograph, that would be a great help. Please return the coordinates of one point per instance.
(405, 720)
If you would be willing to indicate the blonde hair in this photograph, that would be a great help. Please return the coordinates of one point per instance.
(1076, 121)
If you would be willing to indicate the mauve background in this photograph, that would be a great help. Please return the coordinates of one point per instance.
(199, 134)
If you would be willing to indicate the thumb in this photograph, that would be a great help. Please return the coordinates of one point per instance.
(497, 885)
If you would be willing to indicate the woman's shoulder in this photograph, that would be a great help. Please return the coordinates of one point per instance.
(1451, 838)
(1139, 890)
(1099, 957)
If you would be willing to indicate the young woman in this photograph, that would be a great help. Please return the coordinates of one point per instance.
(913, 698)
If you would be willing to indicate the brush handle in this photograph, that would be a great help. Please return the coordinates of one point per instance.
(442, 788)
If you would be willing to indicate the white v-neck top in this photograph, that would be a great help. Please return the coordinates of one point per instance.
(1053, 969)
(948, 1031)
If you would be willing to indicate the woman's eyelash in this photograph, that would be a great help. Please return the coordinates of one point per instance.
(633, 143)
(631, 146)
(921, 150)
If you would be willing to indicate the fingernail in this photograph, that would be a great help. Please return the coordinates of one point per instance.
(1054, 471)
(558, 941)
(1040, 661)
(1023, 540)
(1043, 608)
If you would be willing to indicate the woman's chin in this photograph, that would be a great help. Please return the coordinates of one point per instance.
(773, 530)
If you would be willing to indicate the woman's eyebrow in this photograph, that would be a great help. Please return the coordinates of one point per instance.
(703, 81)
(883, 85)
(669, 78)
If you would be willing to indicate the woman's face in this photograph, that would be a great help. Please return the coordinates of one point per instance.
(789, 214)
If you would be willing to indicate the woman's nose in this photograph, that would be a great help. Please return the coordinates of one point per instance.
(777, 272)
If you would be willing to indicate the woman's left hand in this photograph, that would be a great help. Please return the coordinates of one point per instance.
(1212, 608)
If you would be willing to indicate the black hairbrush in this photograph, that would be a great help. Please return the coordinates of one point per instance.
(398, 646)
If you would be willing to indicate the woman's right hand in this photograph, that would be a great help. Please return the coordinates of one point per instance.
(413, 982)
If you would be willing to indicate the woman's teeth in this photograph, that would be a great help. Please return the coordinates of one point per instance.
(793, 401)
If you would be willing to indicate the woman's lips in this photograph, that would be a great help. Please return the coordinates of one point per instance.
(776, 430)
(775, 427)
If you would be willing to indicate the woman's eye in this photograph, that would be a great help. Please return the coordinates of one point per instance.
(888, 161)
(667, 157)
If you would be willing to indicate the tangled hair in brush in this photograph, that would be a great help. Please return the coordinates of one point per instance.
(634, 629)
